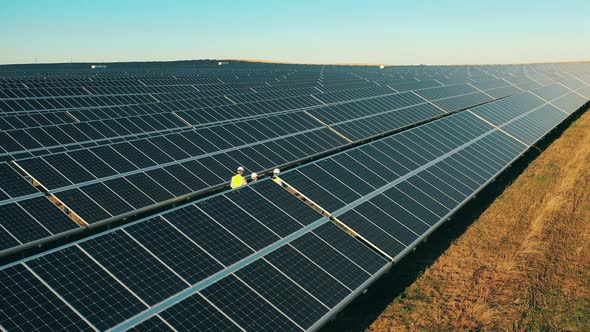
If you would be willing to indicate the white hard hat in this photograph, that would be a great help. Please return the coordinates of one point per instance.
(254, 175)
(276, 171)
(240, 168)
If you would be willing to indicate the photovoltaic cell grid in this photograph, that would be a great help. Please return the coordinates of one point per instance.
(411, 181)
(102, 177)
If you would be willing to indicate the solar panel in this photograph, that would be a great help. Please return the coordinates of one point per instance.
(211, 236)
(28, 305)
(134, 266)
(312, 190)
(310, 276)
(551, 92)
(109, 201)
(150, 187)
(176, 249)
(246, 307)
(92, 163)
(115, 160)
(134, 155)
(265, 212)
(461, 102)
(501, 111)
(47, 214)
(383, 219)
(336, 264)
(20, 224)
(41, 171)
(286, 202)
(570, 102)
(196, 314)
(12, 184)
(87, 287)
(531, 127)
(127, 191)
(242, 225)
(292, 300)
(205, 174)
(168, 181)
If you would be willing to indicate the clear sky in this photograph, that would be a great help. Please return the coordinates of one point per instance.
(309, 31)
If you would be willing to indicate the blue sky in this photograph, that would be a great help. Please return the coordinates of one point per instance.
(320, 31)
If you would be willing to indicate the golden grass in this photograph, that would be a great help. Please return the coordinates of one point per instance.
(523, 265)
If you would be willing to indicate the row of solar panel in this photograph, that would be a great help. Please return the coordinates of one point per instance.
(372, 125)
(397, 216)
(37, 138)
(354, 109)
(8, 122)
(20, 140)
(191, 93)
(102, 82)
(26, 105)
(329, 86)
(237, 111)
(191, 100)
(502, 92)
(216, 114)
(358, 122)
(391, 158)
(243, 94)
(397, 189)
(178, 146)
(366, 89)
(489, 84)
(48, 79)
(23, 92)
(346, 111)
(193, 254)
(82, 88)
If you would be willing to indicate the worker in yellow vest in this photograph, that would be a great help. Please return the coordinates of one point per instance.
(238, 180)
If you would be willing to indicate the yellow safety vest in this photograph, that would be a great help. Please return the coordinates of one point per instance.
(238, 181)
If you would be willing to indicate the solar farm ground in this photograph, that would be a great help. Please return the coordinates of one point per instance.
(523, 264)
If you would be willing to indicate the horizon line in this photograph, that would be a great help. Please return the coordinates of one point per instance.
(287, 62)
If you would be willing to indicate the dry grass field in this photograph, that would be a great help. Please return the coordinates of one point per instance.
(524, 265)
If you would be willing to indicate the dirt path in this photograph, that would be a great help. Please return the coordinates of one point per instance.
(524, 264)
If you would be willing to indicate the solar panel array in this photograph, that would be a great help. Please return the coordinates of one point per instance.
(110, 146)
(401, 150)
